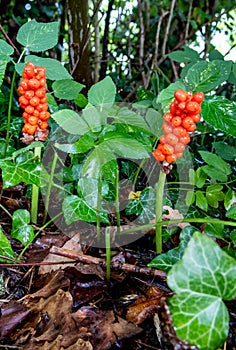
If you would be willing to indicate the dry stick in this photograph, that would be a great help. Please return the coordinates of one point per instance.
(188, 20)
(168, 28)
(154, 62)
(87, 259)
(141, 43)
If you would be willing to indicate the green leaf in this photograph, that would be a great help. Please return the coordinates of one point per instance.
(155, 121)
(5, 48)
(190, 198)
(5, 248)
(21, 229)
(231, 213)
(84, 144)
(204, 276)
(128, 117)
(88, 189)
(27, 171)
(217, 168)
(143, 207)
(166, 96)
(230, 199)
(37, 36)
(127, 147)
(224, 150)
(200, 177)
(207, 76)
(215, 230)
(96, 159)
(201, 201)
(214, 195)
(165, 261)
(81, 101)
(70, 121)
(3, 64)
(93, 117)
(66, 89)
(75, 208)
(187, 55)
(102, 93)
(220, 113)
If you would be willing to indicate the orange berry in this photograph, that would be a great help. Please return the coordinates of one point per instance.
(36, 113)
(43, 99)
(44, 115)
(25, 115)
(185, 139)
(29, 129)
(158, 155)
(179, 131)
(43, 125)
(162, 139)
(192, 128)
(181, 95)
(29, 109)
(23, 100)
(29, 71)
(171, 158)
(198, 97)
(179, 147)
(167, 128)
(42, 81)
(172, 108)
(166, 149)
(193, 107)
(179, 155)
(42, 107)
(168, 117)
(32, 120)
(21, 90)
(187, 123)
(34, 101)
(171, 139)
(29, 94)
(24, 84)
(176, 121)
(196, 118)
(40, 92)
(33, 84)
(182, 106)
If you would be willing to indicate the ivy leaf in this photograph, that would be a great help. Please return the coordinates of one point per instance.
(37, 36)
(76, 208)
(220, 113)
(102, 93)
(207, 76)
(5, 248)
(66, 89)
(21, 229)
(165, 261)
(70, 121)
(202, 280)
(26, 171)
(143, 207)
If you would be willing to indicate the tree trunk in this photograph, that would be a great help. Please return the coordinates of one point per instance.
(78, 24)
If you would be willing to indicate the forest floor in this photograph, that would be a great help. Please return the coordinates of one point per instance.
(58, 297)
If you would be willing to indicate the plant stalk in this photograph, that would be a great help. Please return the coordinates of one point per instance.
(117, 203)
(108, 252)
(50, 184)
(99, 198)
(35, 192)
(158, 209)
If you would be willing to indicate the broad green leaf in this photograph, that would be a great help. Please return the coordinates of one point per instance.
(224, 150)
(13, 173)
(37, 36)
(202, 280)
(214, 195)
(93, 117)
(217, 168)
(143, 207)
(100, 156)
(102, 93)
(200, 177)
(215, 230)
(84, 144)
(5, 248)
(127, 147)
(220, 113)
(165, 261)
(88, 189)
(231, 213)
(70, 121)
(155, 121)
(21, 229)
(215, 55)
(66, 89)
(54, 69)
(201, 201)
(190, 198)
(230, 199)
(186, 55)
(28, 148)
(81, 101)
(129, 117)
(166, 96)
(206, 76)
(75, 208)
(5, 48)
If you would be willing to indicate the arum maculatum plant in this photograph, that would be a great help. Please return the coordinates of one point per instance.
(33, 100)
(179, 123)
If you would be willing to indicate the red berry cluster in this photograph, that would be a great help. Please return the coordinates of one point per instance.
(33, 99)
(179, 122)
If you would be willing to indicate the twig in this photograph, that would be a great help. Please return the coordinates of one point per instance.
(168, 28)
(154, 62)
(141, 43)
(9, 40)
(188, 20)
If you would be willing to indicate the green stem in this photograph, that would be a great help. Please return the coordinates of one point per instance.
(9, 114)
(98, 221)
(158, 209)
(50, 184)
(117, 203)
(35, 192)
(108, 252)
(37, 233)
(179, 221)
